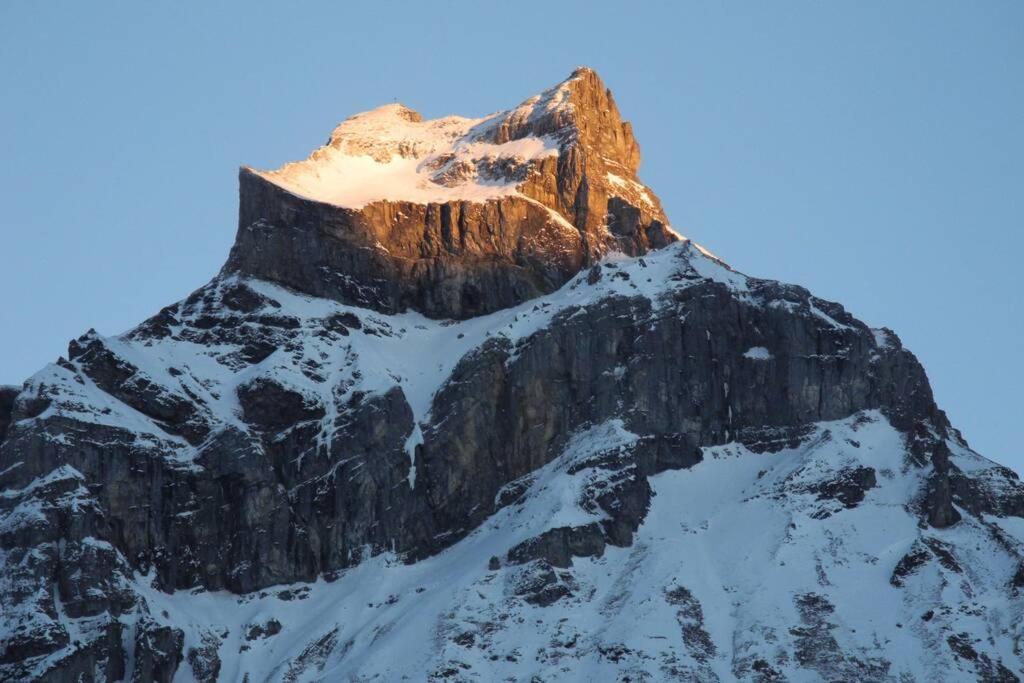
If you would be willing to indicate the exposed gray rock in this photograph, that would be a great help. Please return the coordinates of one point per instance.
(204, 660)
(539, 584)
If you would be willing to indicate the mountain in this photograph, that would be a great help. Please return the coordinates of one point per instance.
(453, 217)
(462, 406)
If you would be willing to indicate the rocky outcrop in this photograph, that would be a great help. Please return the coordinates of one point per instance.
(157, 652)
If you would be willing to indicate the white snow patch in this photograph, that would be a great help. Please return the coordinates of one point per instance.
(758, 353)
(415, 439)
(882, 340)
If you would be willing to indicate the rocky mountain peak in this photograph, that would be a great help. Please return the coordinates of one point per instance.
(581, 109)
(624, 461)
(455, 216)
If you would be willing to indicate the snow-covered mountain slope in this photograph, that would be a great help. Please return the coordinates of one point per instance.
(742, 569)
(749, 562)
(650, 467)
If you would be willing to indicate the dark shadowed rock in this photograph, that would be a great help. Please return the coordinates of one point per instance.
(939, 496)
(7, 396)
(848, 487)
(204, 660)
(558, 546)
(271, 407)
(157, 653)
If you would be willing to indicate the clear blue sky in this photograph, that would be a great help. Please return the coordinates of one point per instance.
(871, 151)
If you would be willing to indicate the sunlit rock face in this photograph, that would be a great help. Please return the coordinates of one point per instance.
(461, 407)
(453, 217)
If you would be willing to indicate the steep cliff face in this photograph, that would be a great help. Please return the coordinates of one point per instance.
(402, 435)
(7, 396)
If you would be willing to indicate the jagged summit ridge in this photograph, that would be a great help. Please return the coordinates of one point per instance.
(453, 217)
(392, 153)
